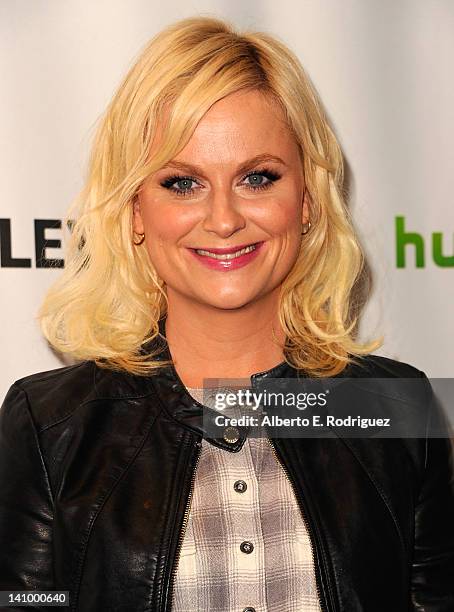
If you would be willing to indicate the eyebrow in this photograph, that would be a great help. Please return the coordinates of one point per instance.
(253, 161)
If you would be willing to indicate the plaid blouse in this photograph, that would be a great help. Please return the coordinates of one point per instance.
(245, 547)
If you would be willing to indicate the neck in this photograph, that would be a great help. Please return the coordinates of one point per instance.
(206, 342)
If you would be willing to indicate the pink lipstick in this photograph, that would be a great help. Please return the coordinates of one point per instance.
(230, 258)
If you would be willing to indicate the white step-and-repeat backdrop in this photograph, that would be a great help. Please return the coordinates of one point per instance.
(384, 72)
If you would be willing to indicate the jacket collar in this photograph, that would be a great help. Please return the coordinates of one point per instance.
(181, 406)
(176, 400)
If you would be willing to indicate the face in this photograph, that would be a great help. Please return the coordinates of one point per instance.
(236, 184)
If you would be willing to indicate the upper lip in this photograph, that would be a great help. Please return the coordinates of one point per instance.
(222, 251)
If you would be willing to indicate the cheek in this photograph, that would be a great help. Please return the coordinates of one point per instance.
(283, 216)
(164, 225)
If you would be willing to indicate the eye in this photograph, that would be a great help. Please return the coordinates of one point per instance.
(258, 180)
(257, 177)
(183, 185)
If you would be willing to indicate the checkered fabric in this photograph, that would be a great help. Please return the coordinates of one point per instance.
(218, 570)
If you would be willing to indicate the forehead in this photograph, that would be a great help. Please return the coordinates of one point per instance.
(243, 122)
(242, 112)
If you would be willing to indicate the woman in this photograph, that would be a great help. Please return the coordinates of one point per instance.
(212, 241)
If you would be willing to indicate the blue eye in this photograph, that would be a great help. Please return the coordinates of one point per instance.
(184, 183)
(257, 177)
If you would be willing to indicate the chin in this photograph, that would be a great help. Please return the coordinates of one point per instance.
(229, 302)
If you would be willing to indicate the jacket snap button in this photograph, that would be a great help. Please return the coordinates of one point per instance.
(249, 609)
(246, 547)
(231, 434)
(240, 486)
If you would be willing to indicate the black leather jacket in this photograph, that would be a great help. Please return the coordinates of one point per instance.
(97, 467)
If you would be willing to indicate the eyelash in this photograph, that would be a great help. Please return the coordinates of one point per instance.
(271, 175)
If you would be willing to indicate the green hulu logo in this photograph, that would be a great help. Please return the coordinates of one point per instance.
(404, 239)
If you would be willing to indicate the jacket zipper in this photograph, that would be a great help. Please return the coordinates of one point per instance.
(183, 529)
(309, 528)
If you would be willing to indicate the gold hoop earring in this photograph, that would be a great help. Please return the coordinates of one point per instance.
(140, 241)
(307, 227)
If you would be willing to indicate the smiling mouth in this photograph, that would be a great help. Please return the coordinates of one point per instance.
(227, 256)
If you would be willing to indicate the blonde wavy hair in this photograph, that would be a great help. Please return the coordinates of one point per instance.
(106, 304)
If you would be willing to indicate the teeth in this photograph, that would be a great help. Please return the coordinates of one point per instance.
(226, 256)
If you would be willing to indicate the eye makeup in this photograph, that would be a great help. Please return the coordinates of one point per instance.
(271, 177)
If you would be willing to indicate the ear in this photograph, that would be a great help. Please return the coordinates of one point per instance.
(306, 207)
(137, 221)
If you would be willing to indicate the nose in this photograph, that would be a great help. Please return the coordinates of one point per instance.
(223, 216)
